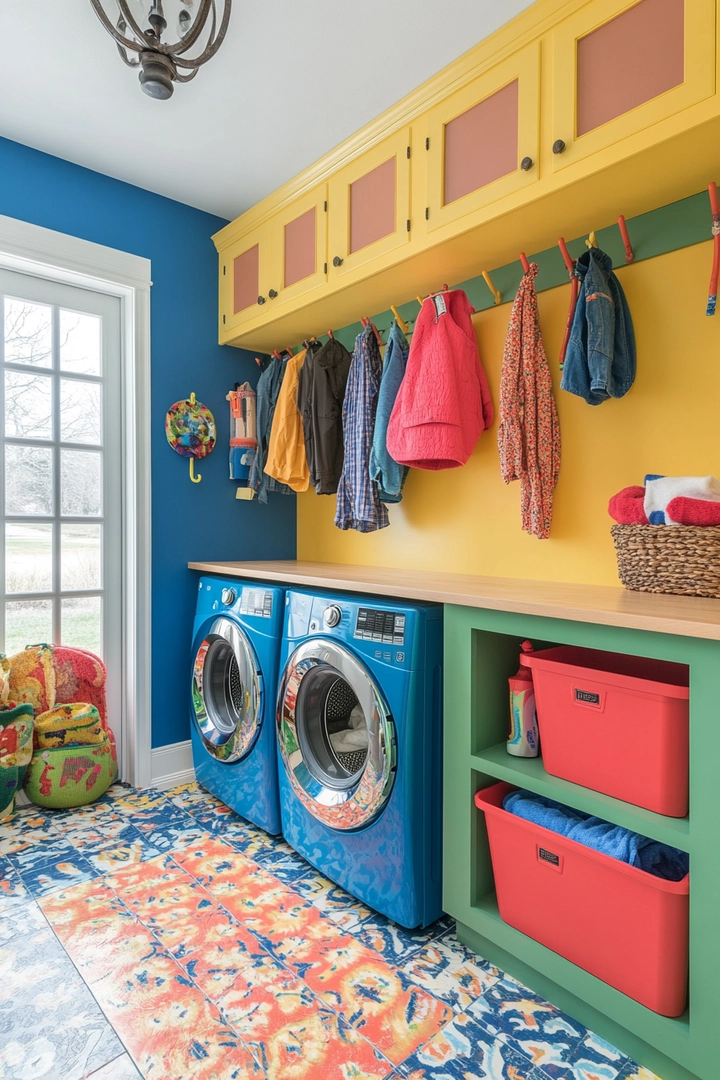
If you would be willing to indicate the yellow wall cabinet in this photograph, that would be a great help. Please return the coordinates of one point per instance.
(572, 113)
(619, 69)
(370, 208)
(274, 265)
(483, 140)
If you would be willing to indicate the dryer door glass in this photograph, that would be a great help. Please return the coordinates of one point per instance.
(226, 692)
(337, 738)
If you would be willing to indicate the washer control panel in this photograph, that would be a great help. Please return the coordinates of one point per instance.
(385, 626)
(256, 602)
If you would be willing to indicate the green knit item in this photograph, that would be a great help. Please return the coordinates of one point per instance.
(68, 776)
(16, 743)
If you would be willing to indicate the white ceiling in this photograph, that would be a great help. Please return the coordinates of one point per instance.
(292, 80)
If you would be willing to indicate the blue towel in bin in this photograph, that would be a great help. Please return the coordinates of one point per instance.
(629, 847)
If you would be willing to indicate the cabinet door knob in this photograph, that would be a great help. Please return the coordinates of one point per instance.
(261, 299)
(526, 164)
(558, 146)
(337, 261)
(272, 294)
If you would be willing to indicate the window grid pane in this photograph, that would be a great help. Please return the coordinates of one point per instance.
(59, 402)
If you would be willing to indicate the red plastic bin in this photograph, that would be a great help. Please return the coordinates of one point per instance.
(618, 724)
(627, 927)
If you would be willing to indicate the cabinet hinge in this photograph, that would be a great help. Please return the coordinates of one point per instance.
(224, 270)
(427, 213)
(427, 143)
(325, 270)
(408, 151)
(223, 320)
(325, 206)
(408, 224)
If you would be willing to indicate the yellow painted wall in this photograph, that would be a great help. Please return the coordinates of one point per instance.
(467, 521)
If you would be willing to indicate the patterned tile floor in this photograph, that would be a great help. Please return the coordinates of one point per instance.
(159, 935)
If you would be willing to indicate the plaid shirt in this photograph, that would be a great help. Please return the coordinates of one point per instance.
(358, 504)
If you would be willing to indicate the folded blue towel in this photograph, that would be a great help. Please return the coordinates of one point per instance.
(629, 847)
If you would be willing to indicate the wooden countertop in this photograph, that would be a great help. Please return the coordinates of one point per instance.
(688, 616)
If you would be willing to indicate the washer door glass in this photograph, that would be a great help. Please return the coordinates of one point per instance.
(226, 692)
(337, 738)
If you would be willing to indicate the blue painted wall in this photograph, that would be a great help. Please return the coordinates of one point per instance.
(189, 521)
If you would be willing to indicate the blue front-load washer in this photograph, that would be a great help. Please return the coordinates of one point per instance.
(360, 743)
(235, 656)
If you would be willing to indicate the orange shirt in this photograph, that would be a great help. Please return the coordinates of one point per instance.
(286, 460)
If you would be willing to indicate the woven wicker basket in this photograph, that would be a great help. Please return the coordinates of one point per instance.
(680, 559)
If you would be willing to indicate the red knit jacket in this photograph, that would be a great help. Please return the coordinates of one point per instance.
(444, 401)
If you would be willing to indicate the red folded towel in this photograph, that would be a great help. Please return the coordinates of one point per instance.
(627, 507)
(694, 511)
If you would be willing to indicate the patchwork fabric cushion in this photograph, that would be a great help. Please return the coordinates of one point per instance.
(16, 747)
(66, 776)
(49, 675)
(69, 725)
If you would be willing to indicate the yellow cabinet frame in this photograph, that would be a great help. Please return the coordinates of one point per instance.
(318, 199)
(229, 319)
(699, 82)
(339, 201)
(523, 66)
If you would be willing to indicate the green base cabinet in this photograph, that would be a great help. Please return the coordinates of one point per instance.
(481, 653)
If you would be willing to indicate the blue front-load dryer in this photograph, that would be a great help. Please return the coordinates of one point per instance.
(235, 656)
(360, 745)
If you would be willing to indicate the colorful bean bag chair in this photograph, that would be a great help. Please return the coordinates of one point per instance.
(72, 764)
(50, 675)
(16, 747)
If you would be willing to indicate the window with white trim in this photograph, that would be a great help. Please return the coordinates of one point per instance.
(60, 353)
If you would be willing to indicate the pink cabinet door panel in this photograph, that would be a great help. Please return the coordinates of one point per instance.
(481, 144)
(246, 279)
(630, 60)
(300, 248)
(372, 206)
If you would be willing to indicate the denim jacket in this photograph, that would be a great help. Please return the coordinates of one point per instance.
(384, 470)
(600, 361)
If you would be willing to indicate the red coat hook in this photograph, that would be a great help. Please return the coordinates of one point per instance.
(331, 335)
(525, 264)
(567, 257)
(715, 208)
(629, 253)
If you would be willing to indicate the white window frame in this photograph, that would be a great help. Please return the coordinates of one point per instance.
(31, 249)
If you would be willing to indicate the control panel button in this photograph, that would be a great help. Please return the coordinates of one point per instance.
(228, 596)
(332, 615)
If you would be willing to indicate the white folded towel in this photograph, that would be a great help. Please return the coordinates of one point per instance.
(661, 491)
(344, 742)
(356, 718)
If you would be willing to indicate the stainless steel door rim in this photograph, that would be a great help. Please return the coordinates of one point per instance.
(339, 798)
(227, 692)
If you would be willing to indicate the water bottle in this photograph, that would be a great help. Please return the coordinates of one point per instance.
(523, 740)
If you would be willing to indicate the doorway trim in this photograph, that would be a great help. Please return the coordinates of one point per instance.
(39, 252)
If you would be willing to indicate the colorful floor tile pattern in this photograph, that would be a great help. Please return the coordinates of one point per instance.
(159, 935)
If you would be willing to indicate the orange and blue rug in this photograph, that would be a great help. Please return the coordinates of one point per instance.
(159, 935)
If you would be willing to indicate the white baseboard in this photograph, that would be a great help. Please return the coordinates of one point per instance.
(172, 765)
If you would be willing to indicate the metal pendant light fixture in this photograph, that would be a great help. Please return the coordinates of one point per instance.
(138, 27)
